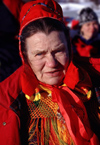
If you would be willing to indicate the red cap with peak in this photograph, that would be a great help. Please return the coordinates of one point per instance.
(38, 9)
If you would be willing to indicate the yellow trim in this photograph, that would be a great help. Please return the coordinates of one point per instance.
(37, 95)
(44, 88)
(89, 94)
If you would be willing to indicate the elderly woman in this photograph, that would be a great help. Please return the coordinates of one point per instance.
(37, 105)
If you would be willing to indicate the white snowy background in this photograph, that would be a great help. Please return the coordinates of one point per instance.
(72, 9)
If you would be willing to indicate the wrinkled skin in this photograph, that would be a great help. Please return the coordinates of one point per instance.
(48, 56)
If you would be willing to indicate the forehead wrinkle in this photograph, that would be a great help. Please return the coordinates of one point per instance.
(42, 40)
(58, 46)
(36, 45)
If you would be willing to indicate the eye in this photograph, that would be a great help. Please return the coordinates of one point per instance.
(39, 54)
(87, 24)
(60, 50)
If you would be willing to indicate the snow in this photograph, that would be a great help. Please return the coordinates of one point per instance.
(72, 9)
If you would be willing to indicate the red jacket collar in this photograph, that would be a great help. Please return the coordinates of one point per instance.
(23, 79)
(73, 76)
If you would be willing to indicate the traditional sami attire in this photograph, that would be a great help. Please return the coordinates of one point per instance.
(42, 114)
(36, 113)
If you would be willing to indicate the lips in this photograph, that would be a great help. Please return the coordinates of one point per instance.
(54, 73)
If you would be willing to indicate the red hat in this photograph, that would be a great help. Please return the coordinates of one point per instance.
(38, 9)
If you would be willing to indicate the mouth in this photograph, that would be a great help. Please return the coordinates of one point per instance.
(54, 73)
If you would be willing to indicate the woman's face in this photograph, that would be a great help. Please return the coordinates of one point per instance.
(89, 29)
(48, 56)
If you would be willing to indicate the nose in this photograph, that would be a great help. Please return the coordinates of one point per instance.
(51, 61)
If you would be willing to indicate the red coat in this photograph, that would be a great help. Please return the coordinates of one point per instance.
(84, 49)
(10, 119)
(88, 57)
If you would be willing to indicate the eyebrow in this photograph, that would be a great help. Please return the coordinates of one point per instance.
(38, 51)
(59, 47)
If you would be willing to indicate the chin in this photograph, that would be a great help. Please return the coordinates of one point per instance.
(54, 81)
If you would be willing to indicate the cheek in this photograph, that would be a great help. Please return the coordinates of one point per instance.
(36, 65)
(63, 59)
(96, 28)
(84, 29)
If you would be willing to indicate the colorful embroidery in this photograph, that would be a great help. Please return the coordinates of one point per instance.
(47, 126)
